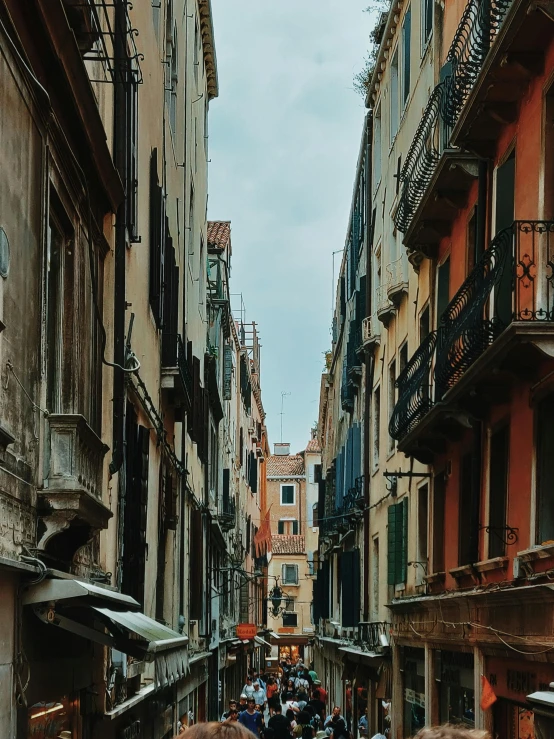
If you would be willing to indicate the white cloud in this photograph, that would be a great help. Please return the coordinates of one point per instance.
(284, 141)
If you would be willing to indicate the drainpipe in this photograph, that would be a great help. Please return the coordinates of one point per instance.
(369, 366)
(120, 136)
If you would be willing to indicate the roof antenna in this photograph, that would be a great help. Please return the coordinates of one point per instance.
(283, 395)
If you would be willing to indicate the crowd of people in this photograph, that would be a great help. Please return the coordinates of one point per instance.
(292, 704)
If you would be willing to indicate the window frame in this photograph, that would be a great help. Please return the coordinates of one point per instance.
(426, 31)
(405, 76)
(284, 579)
(287, 485)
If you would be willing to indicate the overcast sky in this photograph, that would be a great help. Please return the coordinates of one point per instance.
(283, 142)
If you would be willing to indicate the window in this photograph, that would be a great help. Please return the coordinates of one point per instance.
(213, 469)
(439, 492)
(156, 246)
(376, 419)
(172, 86)
(406, 50)
(287, 494)
(289, 574)
(311, 473)
(392, 398)
(499, 458)
(424, 324)
(394, 97)
(131, 186)
(377, 147)
(403, 357)
(443, 288)
(290, 619)
(422, 519)
(545, 470)
(196, 60)
(426, 23)
(397, 542)
(192, 234)
(467, 537)
(287, 526)
(315, 515)
(58, 249)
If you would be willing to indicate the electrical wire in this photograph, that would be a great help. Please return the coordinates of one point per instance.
(11, 369)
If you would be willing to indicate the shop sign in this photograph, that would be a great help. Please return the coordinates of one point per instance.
(417, 699)
(511, 679)
(131, 732)
(246, 631)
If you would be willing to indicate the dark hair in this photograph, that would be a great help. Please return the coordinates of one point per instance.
(307, 732)
(278, 708)
(309, 709)
(290, 714)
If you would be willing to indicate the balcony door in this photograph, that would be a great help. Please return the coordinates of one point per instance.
(503, 218)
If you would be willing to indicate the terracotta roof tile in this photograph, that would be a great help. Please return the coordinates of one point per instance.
(313, 446)
(283, 544)
(219, 234)
(282, 465)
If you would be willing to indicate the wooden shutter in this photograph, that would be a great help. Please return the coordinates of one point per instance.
(156, 235)
(545, 470)
(402, 564)
(350, 588)
(281, 527)
(393, 544)
(226, 488)
(295, 528)
(196, 565)
(324, 590)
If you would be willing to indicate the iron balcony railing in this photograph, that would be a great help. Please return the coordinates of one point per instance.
(476, 31)
(374, 635)
(174, 355)
(478, 27)
(512, 282)
(227, 515)
(415, 397)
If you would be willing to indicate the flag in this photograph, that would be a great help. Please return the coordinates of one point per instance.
(262, 539)
(488, 696)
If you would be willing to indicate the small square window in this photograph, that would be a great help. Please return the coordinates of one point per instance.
(290, 619)
(287, 494)
(290, 574)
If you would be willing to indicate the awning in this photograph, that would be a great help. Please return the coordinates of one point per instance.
(274, 634)
(53, 590)
(262, 641)
(90, 611)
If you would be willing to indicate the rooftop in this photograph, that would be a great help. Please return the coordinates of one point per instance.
(313, 446)
(283, 465)
(283, 544)
(219, 234)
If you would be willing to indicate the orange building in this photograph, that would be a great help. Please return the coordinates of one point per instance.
(476, 401)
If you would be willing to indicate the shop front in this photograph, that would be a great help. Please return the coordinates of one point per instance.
(412, 666)
(513, 681)
(454, 674)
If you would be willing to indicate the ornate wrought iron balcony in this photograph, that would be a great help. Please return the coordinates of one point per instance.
(480, 23)
(227, 515)
(415, 394)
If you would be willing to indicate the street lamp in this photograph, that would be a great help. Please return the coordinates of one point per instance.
(280, 601)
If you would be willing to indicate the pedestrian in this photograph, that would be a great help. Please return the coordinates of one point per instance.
(248, 689)
(279, 723)
(340, 730)
(227, 713)
(259, 695)
(363, 724)
(303, 720)
(260, 709)
(291, 717)
(331, 721)
(447, 731)
(216, 730)
(288, 692)
(251, 718)
(272, 693)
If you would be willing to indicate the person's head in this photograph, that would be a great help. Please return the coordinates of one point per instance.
(233, 714)
(251, 705)
(310, 710)
(307, 732)
(451, 732)
(258, 707)
(249, 679)
(303, 717)
(290, 683)
(232, 704)
(216, 730)
(256, 685)
(242, 699)
(278, 708)
(336, 711)
(290, 714)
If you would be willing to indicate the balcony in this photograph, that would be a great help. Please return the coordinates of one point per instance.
(496, 57)
(385, 309)
(374, 636)
(176, 374)
(371, 334)
(227, 515)
(398, 280)
(70, 504)
(471, 360)
(437, 175)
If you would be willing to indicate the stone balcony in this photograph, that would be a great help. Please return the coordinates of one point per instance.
(70, 505)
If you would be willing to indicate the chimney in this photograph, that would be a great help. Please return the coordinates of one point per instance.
(282, 449)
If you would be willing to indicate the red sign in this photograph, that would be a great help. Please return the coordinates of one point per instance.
(246, 631)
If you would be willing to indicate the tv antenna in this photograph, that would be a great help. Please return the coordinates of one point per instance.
(283, 395)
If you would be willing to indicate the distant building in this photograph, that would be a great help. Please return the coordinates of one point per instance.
(292, 501)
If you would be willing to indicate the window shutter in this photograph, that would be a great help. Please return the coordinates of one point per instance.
(402, 523)
(295, 528)
(350, 588)
(196, 565)
(392, 545)
(283, 573)
(281, 527)
(324, 589)
(226, 488)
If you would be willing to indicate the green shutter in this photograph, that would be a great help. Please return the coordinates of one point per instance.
(397, 543)
(281, 527)
(295, 528)
(402, 521)
(392, 547)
